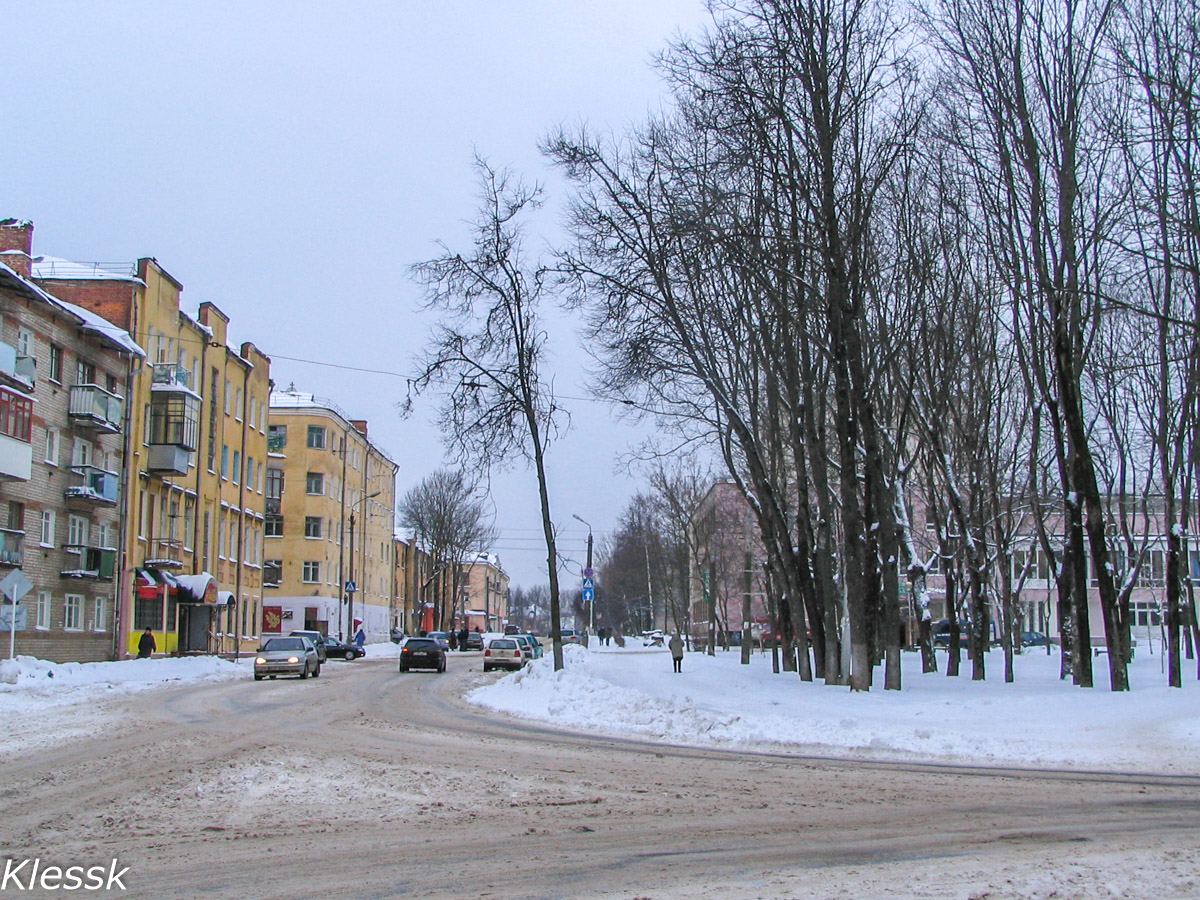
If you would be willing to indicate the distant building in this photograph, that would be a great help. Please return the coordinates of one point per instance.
(194, 500)
(331, 499)
(64, 426)
(484, 586)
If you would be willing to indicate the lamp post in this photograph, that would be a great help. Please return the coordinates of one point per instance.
(350, 585)
(587, 575)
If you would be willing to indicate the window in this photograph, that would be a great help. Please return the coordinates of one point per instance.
(228, 395)
(237, 410)
(312, 526)
(314, 483)
(273, 527)
(237, 466)
(52, 435)
(81, 453)
(16, 515)
(24, 342)
(16, 416)
(85, 372)
(1145, 613)
(100, 616)
(224, 460)
(73, 612)
(316, 437)
(276, 437)
(189, 523)
(272, 572)
(110, 384)
(147, 613)
(56, 363)
(312, 572)
(48, 528)
(42, 617)
(221, 536)
(212, 421)
(77, 532)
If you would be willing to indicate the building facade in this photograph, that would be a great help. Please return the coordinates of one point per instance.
(330, 561)
(484, 586)
(64, 428)
(195, 499)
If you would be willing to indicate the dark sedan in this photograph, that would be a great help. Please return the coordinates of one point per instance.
(422, 653)
(335, 649)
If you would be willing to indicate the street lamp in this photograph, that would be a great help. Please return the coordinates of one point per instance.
(350, 581)
(587, 573)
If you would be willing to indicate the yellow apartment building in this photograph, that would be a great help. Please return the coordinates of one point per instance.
(330, 556)
(484, 587)
(195, 469)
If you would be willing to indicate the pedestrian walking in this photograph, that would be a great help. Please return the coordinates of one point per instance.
(676, 646)
(361, 637)
(146, 644)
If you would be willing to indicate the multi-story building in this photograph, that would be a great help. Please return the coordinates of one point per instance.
(331, 498)
(195, 498)
(64, 426)
(484, 586)
(414, 589)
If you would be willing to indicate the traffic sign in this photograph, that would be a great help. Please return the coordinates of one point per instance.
(15, 585)
(351, 587)
(589, 590)
(6, 617)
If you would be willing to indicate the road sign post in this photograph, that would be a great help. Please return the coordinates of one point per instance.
(14, 586)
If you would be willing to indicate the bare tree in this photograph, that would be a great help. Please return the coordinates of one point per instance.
(449, 521)
(487, 350)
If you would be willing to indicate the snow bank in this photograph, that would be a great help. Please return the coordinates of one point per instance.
(1037, 721)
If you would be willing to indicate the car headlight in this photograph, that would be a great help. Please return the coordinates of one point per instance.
(259, 661)
(293, 659)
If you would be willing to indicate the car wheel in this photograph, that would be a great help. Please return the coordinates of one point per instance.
(442, 668)
(272, 677)
(486, 667)
(403, 670)
(304, 673)
(350, 654)
(317, 671)
(258, 678)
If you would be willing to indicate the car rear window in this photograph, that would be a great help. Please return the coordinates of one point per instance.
(502, 644)
(421, 643)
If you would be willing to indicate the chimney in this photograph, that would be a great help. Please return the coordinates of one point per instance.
(360, 425)
(16, 246)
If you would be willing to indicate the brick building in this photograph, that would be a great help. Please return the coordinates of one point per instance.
(64, 426)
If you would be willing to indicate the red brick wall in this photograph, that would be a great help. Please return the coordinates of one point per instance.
(16, 236)
(109, 298)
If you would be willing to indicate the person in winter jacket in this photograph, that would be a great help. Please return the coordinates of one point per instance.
(146, 644)
(676, 647)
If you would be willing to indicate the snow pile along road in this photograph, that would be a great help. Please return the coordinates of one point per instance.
(1037, 721)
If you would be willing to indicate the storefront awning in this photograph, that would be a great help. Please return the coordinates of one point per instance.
(200, 588)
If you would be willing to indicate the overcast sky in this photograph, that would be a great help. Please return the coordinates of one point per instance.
(288, 161)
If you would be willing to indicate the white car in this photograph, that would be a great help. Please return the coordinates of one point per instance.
(503, 653)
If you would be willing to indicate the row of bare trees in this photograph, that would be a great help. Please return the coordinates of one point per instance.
(872, 253)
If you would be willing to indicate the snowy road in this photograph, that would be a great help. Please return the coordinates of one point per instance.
(367, 783)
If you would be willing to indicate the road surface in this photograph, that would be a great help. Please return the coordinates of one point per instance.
(371, 784)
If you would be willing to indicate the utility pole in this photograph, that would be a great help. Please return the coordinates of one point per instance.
(589, 582)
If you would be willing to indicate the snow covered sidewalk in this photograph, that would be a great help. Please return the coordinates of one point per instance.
(1037, 721)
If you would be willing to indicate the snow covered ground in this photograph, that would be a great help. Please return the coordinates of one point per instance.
(1037, 721)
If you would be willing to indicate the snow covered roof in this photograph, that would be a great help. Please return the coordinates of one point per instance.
(88, 320)
(68, 270)
(281, 400)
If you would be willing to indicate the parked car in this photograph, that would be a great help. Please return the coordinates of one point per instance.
(1033, 639)
(341, 650)
(941, 633)
(442, 637)
(318, 641)
(569, 636)
(512, 629)
(474, 640)
(422, 653)
(529, 645)
(287, 656)
(503, 653)
(398, 635)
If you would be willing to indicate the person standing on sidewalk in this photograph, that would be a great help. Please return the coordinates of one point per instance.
(676, 647)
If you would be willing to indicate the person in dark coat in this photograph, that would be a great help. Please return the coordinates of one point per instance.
(676, 647)
(146, 644)
(462, 638)
(360, 638)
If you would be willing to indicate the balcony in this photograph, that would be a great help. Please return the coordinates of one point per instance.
(95, 563)
(165, 553)
(11, 547)
(168, 458)
(16, 459)
(276, 443)
(95, 408)
(16, 371)
(94, 486)
(170, 377)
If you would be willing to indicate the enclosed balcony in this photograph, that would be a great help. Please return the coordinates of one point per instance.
(94, 486)
(174, 429)
(91, 563)
(15, 370)
(11, 547)
(95, 408)
(16, 421)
